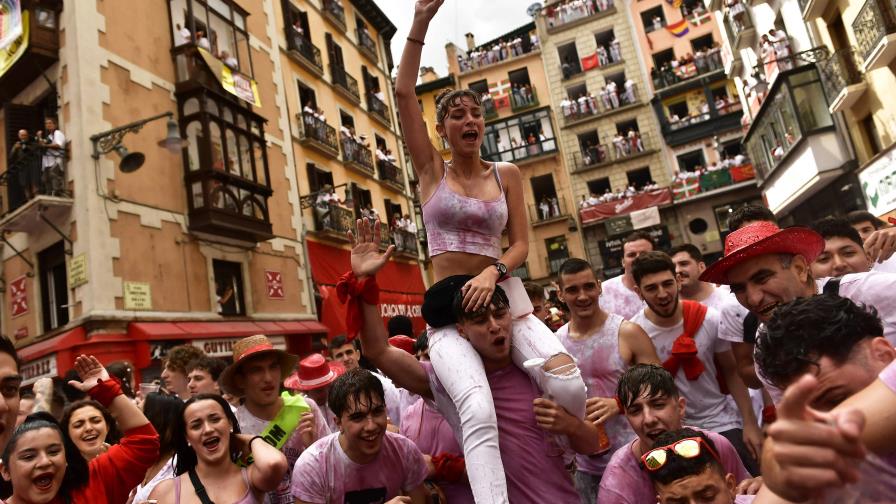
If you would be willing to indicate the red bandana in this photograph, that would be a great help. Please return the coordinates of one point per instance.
(684, 349)
(349, 290)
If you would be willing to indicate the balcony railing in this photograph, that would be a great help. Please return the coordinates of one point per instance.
(367, 44)
(563, 13)
(522, 152)
(356, 155)
(707, 64)
(739, 24)
(703, 125)
(488, 108)
(319, 134)
(379, 108)
(482, 57)
(390, 174)
(841, 78)
(618, 148)
(307, 51)
(345, 82)
(405, 242)
(25, 179)
(548, 210)
(606, 102)
(523, 98)
(335, 219)
(335, 12)
(692, 184)
(875, 31)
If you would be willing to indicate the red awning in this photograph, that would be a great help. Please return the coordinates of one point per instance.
(56, 343)
(401, 287)
(223, 329)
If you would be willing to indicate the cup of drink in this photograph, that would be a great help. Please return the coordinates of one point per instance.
(148, 388)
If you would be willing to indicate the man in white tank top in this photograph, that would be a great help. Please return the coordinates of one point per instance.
(604, 345)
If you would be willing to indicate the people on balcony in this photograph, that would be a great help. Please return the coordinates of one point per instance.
(183, 35)
(202, 41)
(25, 165)
(501, 50)
(229, 60)
(737, 10)
(608, 196)
(52, 159)
(574, 10)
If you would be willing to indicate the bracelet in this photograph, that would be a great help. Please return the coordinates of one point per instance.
(351, 292)
(412, 39)
(253, 439)
(104, 392)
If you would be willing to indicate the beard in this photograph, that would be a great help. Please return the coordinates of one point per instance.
(664, 311)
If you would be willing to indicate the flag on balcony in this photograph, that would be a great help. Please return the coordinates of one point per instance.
(500, 92)
(679, 29)
(699, 19)
(589, 62)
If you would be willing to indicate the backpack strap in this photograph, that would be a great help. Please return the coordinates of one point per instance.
(199, 487)
(832, 287)
(751, 325)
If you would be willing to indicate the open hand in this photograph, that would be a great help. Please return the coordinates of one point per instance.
(881, 244)
(366, 257)
(600, 409)
(91, 372)
(479, 289)
(426, 9)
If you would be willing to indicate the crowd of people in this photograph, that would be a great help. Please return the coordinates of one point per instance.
(184, 36)
(500, 50)
(624, 145)
(690, 65)
(37, 163)
(609, 97)
(610, 195)
(572, 10)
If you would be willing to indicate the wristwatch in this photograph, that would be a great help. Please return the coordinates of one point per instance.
(502, 269)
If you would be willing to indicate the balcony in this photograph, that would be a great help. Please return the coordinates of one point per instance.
(304, 52)
(496, 53)
(367, 44)
(605, 104)
(32, 53)
(334, 221)
(318, 135)
(405, 243)
(334, 13)
(378, 108)
(488, 108)
(689, 185)
(618, 149)
(26, 181)
(813, 8)
(875, 31)
(843, 83)
(523, 98)
(567, 13)
(356, 156)
(345, 83)
(548, 211)
(521, 154)
(391, 174)
(703, 125)
(739, 23)
(668, 81)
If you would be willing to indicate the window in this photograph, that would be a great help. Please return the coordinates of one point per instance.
(591, 152)
(653, 19)
(519, 137)
(335, 52)
(870, 136)
(619, 79)
(691, 161)
(678, 110)
(393, 210)
(732, 148)
(663, 57)
(346, 119)
(574, 92)
(318, 178)
(702, 43)
(228, 287)
(605, 39)
(53, 286)
(639, 178)
(480, 87)
(599, 186)
(297, 30)
(569, 60)
(558, 252)
(361, 199)
(307, 97)
(625, 126)
(543, 187)
(221, 23)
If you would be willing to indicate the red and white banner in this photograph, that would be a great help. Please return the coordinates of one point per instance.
(625, 206)
(18, 293)
(274, 281)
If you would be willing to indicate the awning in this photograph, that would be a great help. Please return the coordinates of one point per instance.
(223, 329)
(401, 287)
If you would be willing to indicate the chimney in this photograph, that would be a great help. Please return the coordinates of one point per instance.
(471, 42)
(428, 74)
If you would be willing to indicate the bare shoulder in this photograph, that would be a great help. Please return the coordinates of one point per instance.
(629, 329)
(164, 491)
(510, 175)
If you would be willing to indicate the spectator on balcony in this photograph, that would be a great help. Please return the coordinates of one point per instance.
(183, 35)
(715, 56)
(721, 105)
(52, 170)
(25, 164)
(298, 34)
(566, 106)
(410, 226)
(781, 46)
(602, 56)
(229, 61)
(657, 23)
(584, 202)
(634, 137)
(629, 96)
(544, 208)
(620, 145)
(700, 60)
(533, 41)
(605, 98)
(613, 94)
(615, 51)
(378, 93)
(567, 68)
(202, 41)
(555, 206)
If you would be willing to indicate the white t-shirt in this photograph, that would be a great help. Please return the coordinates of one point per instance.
(720, 296)
(888, 266)
(707, 408)
(393, 399)
(619, 299)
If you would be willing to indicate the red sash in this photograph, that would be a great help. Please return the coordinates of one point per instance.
(684, 349)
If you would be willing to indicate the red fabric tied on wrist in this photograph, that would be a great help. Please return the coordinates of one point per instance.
(450, 468)
(348, 290)
(769, 414)
(684, 349)
(106, 391)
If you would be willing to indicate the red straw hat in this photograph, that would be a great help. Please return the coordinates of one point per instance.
(405, 343)
(252, 346)
(314, 372)
(759, 239)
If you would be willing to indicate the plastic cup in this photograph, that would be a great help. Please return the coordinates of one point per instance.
(148, 388)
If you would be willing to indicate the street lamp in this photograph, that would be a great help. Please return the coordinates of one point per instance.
(108, 141)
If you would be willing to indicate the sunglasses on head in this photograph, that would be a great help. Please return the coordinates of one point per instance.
(687, 448)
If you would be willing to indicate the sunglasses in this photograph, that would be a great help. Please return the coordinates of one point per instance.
(687, 448)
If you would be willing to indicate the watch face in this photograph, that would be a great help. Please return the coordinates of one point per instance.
(502, 268)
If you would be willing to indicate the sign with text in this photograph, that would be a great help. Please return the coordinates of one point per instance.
(223, 347)
(77, 271)
(41, 368)
(625, 206)
(611, 249)
(274, 281)
(18, 293)
(878, 183)
(137, 296)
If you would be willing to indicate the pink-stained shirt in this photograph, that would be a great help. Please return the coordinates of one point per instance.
(616, 298)
(251, 424)
(325, 475)
(533, 464)
(601, 365)
(625, 482)
(422, 423)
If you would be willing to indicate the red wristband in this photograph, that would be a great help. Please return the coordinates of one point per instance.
(349, 290)
(769, 414)
(106, 391)
(450, 468)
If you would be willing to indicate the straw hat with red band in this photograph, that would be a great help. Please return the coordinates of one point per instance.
(314, 372)
(759, 239)
(247, 348)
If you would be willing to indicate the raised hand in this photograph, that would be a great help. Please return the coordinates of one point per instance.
(426, 9)
(91, 372)
(366, 256)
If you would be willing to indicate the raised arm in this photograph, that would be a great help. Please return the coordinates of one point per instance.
(127, 415)
(425, 158)
(400, 366)
(268, 463)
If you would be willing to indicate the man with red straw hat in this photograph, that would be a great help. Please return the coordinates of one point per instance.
(313, 380)
(289, 423)
(767, 266)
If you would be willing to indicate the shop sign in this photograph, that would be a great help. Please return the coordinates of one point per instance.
(77, 271)
(619, 225)
(878, 183)
(223, 347)
(21, 333)
(274, 281)
(137, 296)
(18, 293)
(43, 367)
(11, 51)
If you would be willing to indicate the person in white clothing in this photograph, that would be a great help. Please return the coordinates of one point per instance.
(619, 293)
(688, 266)
(52, 141)
(879, 239)
(843, 252)
(700, 361)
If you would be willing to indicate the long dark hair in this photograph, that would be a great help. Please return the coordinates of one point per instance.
(163, 411)
(76, 474)
(112, 437)
(186, 457)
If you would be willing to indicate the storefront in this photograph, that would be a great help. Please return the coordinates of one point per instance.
(401, 287)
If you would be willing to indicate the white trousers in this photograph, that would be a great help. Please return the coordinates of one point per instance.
(460, 371)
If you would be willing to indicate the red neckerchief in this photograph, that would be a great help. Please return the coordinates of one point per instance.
(684, 349)
(349, 290)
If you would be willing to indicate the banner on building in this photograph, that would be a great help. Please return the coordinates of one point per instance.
(232, 81)
(274, 281)
(878, 181)
(589, 62)
(500, 93)
(18, 294)
(11, 52)
(10, 22)
(624, 206)
(679, 29)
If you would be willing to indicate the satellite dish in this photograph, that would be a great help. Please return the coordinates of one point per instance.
(534, 9)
